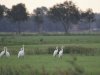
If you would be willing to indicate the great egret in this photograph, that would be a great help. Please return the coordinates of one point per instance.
(60, 52)
(3, 52)
(21, 52)
(55, 51)
(7, 53)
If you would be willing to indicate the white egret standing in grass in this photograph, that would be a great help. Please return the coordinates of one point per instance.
(55, 51)
(60, 52)
(21, 52)
(7, 53)
(3, 52)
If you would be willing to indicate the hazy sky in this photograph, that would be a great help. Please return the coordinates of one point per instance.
(32, 4)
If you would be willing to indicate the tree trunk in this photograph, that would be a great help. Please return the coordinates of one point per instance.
(18, 27)
(89, 27)
(66, 28)
(66, 25)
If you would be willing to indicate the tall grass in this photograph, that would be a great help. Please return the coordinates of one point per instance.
(38, 55)
(28, 69)
(31, 50)
(47, 65)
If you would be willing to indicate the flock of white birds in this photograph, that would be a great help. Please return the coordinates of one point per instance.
(21, 52)
(7, 54)
(57, 52)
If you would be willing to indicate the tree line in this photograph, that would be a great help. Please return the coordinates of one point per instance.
(67, 13)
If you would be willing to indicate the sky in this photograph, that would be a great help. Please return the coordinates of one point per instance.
(32, 4)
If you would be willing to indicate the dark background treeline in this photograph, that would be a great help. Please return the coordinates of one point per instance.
(17, 19)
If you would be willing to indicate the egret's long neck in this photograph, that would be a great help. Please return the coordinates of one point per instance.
(62, 49)
(23, 48)
(4, 48)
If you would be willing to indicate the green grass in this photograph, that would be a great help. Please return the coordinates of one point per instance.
(30, 40)
(91, 64)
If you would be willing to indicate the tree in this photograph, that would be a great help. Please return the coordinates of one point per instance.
(3, 10)
(67, 13)
(88, 16)
(39, 17)
(18, 14)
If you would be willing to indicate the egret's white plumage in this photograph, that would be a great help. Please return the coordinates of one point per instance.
(7, 53)
(3, 52)
(60, 52)
(55, 51)
(21, 52)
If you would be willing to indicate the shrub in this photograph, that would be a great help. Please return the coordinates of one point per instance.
(79, 50)
(38, 51)
(51, 50)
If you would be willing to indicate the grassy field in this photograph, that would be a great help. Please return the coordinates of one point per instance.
(91, 64)
(30, 63)
(34, 40)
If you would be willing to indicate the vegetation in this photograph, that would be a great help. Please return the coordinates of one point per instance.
(81, 55)
(18, 14)
(1, 11)
(89, 17)
(33, 64)
(66, 14)
(39, 17)
(39, 39)
(81, 51)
